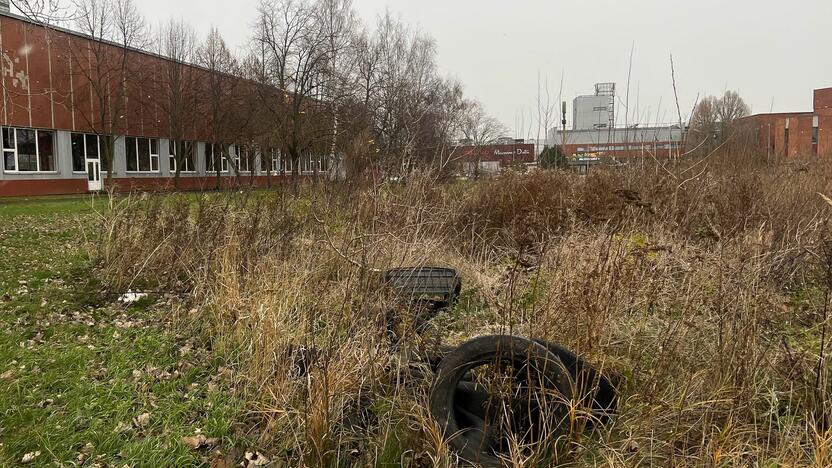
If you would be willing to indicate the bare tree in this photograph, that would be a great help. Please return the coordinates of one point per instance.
(713, 120)
(340, 24)
(47, 12)
(296, 53)
(221, 91)
(177, 89)
(479, 127)
(104, 65)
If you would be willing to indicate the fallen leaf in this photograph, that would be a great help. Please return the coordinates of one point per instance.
(256, 459)
(30, 457)
(7, 375)
(142, 420)
(84, 453)
(194, 442)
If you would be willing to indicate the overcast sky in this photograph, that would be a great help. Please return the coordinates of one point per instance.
(773, 52)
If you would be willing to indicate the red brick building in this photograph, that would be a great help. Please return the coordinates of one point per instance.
(796, 133)
(53, 137)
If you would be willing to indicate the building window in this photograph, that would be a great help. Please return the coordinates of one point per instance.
(323, 164)
(213, 152)
(264, 161)
(188, 158)
(243, 159)
(84, 146)
(28, 150)
(287, 163)
(142, 154)
(274, 157)
(306, 164)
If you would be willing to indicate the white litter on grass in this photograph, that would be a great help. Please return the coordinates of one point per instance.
(130, 297)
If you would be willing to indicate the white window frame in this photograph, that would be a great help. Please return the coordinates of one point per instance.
(321, 160)
(172, 158)
(287, 164)
(85, 135)
(223, 160)
(150, 151)
(306, 164)
(238, 159)
(16, 169)
(275, 161)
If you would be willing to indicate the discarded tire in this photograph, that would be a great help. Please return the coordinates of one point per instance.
(593, 389)
(463, 408)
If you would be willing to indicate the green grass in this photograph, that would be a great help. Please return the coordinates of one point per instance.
(79, 367)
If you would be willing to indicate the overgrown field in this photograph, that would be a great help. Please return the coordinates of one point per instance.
(702, 288)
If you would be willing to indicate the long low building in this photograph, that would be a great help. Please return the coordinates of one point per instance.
(793, 134)
(621, 143)
(53, 132)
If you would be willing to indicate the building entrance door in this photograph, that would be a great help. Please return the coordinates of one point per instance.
(93, 175)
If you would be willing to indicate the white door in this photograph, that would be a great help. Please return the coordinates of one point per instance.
(93, 175)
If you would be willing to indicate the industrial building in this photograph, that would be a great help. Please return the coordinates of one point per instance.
(796, 133)
(51, 129)
(595, 135)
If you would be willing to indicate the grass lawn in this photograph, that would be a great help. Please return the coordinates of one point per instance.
(85, 380)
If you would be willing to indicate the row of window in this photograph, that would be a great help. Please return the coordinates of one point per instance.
(30, 150)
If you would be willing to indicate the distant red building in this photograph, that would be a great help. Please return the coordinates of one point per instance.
(493, 158)
(796, 133)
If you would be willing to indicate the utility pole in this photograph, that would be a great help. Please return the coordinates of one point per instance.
(563, 130)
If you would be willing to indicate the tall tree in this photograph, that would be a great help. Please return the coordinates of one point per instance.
(296, 52)
(714, 120)
(176, 88)
(479, 127)
(103, 65)
(220, 104)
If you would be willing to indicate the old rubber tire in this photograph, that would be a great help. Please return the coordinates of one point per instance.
(592, 388)
(478, 352)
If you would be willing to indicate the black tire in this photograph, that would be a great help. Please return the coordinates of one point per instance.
(475, 353)
(592, 388)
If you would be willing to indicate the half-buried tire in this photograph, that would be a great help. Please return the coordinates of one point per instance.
(463, 408)
(592, 388)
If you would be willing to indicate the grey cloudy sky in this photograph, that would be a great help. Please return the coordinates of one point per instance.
(773, 52)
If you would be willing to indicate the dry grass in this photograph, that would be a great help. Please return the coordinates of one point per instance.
(703, 287)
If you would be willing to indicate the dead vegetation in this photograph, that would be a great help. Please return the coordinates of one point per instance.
(703, 287)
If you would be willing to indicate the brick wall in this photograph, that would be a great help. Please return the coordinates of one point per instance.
(825, 135)
(823, 101)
